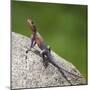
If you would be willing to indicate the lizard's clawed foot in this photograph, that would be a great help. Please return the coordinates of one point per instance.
(45, 63)
(28, 50)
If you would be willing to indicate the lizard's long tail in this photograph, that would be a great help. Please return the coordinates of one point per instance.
(52, 61)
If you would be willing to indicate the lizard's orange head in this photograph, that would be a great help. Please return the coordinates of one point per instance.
(30, 22)
(31, 25)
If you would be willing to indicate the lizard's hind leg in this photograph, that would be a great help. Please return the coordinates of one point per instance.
(45, 59)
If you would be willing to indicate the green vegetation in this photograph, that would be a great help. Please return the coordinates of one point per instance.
(64, 28)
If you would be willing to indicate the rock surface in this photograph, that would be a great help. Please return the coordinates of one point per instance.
(28, 70)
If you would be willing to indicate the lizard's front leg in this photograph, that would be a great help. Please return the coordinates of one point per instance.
(32, 44)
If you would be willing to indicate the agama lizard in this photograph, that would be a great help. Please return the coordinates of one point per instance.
(36, 38)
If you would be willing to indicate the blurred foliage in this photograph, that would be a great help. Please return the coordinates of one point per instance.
(63, 26)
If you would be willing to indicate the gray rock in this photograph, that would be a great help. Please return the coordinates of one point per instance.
(28, 70)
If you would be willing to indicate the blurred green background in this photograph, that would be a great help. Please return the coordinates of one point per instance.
(64, 28)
